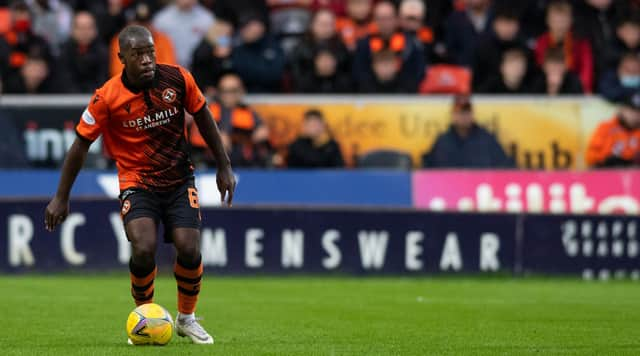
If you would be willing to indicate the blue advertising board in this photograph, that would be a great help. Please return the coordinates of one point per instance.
(270, 241)
(290, 187)
(343, 241)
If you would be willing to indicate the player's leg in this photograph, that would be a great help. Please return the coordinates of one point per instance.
(182, 219)
(188, 272)
(187, 268)
(142, 233)
(140, 214)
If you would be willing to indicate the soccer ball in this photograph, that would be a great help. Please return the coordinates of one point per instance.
(150, 324)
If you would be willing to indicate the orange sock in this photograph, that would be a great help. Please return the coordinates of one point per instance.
(142, 287)
(188, 280)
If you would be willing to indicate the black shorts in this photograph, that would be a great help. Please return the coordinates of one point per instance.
(178, 207)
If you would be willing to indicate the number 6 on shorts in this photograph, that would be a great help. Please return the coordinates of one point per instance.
(193, 198)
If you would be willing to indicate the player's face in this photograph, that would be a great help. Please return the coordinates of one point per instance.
(139, 60)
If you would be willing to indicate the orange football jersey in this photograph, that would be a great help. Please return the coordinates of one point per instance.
(143, 130)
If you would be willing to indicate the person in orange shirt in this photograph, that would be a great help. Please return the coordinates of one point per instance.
(357, 24)
(165, 52)
(616, 142)
(141, 116)
(244, 134)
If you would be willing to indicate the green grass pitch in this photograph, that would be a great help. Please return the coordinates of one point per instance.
(85, 315)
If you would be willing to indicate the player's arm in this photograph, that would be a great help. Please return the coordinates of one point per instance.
(211, 135)
(58, 209)
(88, 130)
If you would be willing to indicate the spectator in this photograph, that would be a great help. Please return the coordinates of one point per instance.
(616, 142)
(513, 78)
(258, 59)
(386, 76)
(212, 57)
(314, 148)
(289, 20)
(578, 55)
(321, 62)
(411, 58)
(620, 83)
(185, 22)
(243, 133)
(84, 58)
(437, 11)
(466, 144)
(34, 77)
(18, 44)
(231, 11)
(595, 21)
(165, 52)
(356, 25)
(627, 40)
(504, 36)
(557, 79)
(411, 15)
(464, 29)
(52, 21)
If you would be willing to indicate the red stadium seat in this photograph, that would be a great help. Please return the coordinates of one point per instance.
(446, 79)
(5, 20)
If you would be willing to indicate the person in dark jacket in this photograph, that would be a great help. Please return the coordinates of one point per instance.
(387, 37)
(258, 59)
(19, 44)
(627, 40)
(615, 85)
(466, 144)
(556, 78)
(595, 21)
(321, 63)
(315, 148)
(464, 28)
(232, 11)
(35, 76)
(212, 57)
(504, 36)
(84, 59)
(387, 78)
(514, 76)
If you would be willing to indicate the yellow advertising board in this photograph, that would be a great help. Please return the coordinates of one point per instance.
(539, 133)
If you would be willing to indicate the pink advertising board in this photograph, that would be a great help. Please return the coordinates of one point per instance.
(595, 192)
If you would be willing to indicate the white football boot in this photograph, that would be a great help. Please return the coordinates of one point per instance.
(192, 328)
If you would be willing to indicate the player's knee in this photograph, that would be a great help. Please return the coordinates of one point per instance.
(143, 252)
(189, 253)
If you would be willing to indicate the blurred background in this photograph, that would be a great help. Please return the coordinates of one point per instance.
(408, 136)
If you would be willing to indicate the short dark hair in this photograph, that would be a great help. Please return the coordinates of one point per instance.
(560, 6)
(632, 18)
(384, 55)
(628, 56)
(131, 32)
(515, 52)
(554, 55)
(313, 114)
(506, 12)
(229, 73)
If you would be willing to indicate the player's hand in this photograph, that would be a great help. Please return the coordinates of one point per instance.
(226, 184)
(55, 213)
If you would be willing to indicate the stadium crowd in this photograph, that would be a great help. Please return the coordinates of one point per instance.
(329, 46)
(234, 47)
